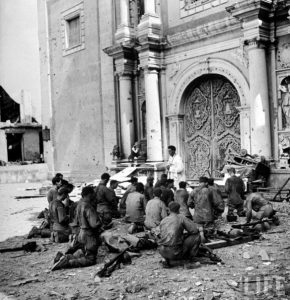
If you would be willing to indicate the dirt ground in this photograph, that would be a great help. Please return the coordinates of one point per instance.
(247, 273)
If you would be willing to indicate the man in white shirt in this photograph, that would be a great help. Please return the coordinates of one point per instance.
(175, 166)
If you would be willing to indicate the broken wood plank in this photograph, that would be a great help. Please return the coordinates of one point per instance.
(28, 246)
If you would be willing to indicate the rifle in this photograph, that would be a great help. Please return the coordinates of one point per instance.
(209, 253)
(111, 265)
(240, 226)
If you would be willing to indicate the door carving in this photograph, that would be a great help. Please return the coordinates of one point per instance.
(212, 126)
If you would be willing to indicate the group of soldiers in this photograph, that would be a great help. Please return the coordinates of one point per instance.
(160, 208)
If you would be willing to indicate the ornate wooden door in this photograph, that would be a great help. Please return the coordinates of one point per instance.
(212, 126)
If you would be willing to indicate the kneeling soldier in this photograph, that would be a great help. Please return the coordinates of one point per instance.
(89, 236)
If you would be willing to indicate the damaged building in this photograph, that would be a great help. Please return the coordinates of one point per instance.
(210, 77)
(21, 137)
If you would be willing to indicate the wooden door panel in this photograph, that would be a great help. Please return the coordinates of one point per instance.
(212, 126)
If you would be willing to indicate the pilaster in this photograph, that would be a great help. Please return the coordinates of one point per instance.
(124, 58)
(254, 16)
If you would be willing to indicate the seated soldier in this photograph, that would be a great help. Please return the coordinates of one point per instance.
(201, 200)
(135, 152)
(173, 243)
(148, 189)
(113, 198)
(235, 188)
(135, 207)
(218, 202)
(257, 207)
(131, 188)
(88, 237)
(162, 181)
(56, 182)
(44, 230)
(181, 197)
(70, 206)
(155, 210)
(168, 192)
(59, 218)
(104, 201)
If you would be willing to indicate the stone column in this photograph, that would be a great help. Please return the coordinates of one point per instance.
(123, 32)
(275, 112)
(176, 133)
(153, 122)
(149, 6)
(260, 117)
(126, 114)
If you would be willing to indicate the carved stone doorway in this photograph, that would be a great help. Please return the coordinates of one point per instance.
(212, 125)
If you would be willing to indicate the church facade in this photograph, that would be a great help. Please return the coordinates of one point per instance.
(211, 77)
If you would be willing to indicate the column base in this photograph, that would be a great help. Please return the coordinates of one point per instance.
(150, 25)
(124, 33)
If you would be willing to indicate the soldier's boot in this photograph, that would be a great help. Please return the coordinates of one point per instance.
(58, 256)
(61, 264)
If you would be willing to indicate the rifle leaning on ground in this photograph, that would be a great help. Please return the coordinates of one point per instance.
(111, 265)
(204, 250)
(241, 226)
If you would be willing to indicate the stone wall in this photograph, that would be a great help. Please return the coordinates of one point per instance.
(82, 123)
(23, 173)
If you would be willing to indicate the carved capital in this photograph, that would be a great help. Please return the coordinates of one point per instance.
(256, 44)
(124, 67)
(151, 54)
(125, 58)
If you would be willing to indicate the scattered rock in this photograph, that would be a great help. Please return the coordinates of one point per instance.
(246, 255)
(71, 296)
(163, 293)
(198, 283)
(53, 293)
(264, 255)
(134, 288)
(232, 283)
(184, 290)
(209, 296)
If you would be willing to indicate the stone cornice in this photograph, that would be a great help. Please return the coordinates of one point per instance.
(150, 52)
(203, 31)
(121, 50)
(246, 10)
(255, 18)
(125, 57)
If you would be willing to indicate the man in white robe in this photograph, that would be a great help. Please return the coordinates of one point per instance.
(175, 166)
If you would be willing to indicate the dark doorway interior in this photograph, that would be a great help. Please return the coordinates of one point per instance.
(14, 146)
